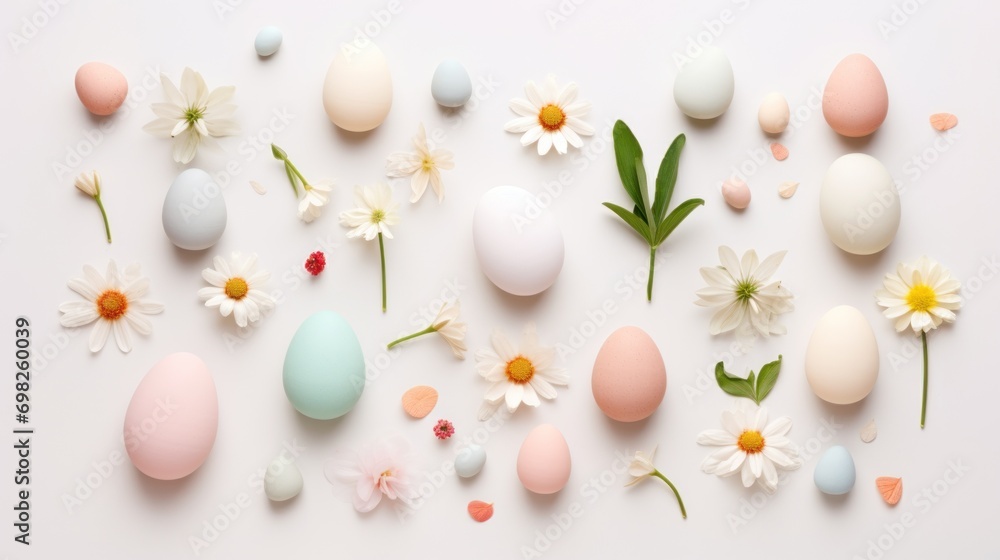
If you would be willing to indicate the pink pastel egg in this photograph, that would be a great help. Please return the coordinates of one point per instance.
(736, 193)
(173, 417)
(855, 100)
(629, 378)
(101, 88)
(543, 463)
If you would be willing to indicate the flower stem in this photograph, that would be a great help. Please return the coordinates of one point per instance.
(381, 252)
(923, 406)
(428, 330)
(680, 502)
(296, 171)
(649, 284)
(104, 214)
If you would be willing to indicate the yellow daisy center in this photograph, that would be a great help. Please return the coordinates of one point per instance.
(378, 216)
(751, 441)
(236, 288)
(427, 164)
(520, 370)
(112, 304)
(921, 298)
(551, 117)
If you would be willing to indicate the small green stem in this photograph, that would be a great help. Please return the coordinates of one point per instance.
(381, 252)
(659, 475)
(428, 330)
(104, 214)
(649, 284)
(296, 171)
(923, 406)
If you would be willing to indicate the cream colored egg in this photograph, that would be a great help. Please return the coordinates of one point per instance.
(859, 204)
(357, 92)
(773, 114)
(842, 357)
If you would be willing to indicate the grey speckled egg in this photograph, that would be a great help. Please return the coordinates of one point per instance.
(194, 211)
(451, 85)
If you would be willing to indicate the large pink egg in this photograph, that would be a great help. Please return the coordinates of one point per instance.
(855, 101)
(172, 419)
(101, 88)
(543, 463)
(629, 378)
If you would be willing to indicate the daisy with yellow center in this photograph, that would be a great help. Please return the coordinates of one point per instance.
(114, 301)
(920, 296)
(422, 166)
(518, 375)
(236, 289)
(551, 115)
(750, 445)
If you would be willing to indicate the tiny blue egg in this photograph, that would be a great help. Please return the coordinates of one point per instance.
(451, 85)
(470, 461)
(835, 471)
(268, 40)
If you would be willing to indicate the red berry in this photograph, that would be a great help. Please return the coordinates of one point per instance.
(316, 263)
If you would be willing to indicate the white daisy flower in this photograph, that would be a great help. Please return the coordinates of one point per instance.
(641, 467)
(920, 296)
(746, 299)
(551, 116)
(90, 185)
(375, 212)
(423, 166)
(447, 325)
(192, 113)
(236, 288)
(115, 301)
(518, 376)
(748, 444)
(315, 198)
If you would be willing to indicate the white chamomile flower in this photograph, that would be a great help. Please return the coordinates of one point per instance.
(90, 185)
(375, 212)
(236, 288)
(192, 113)
(518, 375)
(447, 325)
(641, 467)
(315, 198)
(115, 301)
(551, 115)
(423, 166)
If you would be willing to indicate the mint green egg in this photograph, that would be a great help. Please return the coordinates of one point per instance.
(324, 371)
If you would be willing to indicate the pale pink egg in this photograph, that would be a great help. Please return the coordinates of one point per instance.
(855, 100)
(629, 379)
(543, 463)
(736, 193)
(101, 88)
(173, 417)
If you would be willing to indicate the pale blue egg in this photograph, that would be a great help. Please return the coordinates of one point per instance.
(451, 85)
(835, 471)
(324, 371)
(470, 461)
(268, 40)
(194, 211)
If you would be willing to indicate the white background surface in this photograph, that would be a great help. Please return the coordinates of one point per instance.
(942, 58)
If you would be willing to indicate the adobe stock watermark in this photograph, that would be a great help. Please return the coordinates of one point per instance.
(705, 378)
(228, 512)
(921, 162)
(898, 16)
(367, 32)
(561, 12)
(749, 508)
(924, 501)
(29, 26)
(713, 29)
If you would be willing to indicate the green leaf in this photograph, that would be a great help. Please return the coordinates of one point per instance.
(666, 178)
(278, 153)
(632, 220)
(640, 173)
(292, 178)
(627, 150)
(675, 218)
(733, 385)
(767, 378)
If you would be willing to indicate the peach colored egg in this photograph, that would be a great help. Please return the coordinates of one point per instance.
(101, 88)
(736, 193)
(855, 100)
(629, 378)
(172, 419)
(543, 463)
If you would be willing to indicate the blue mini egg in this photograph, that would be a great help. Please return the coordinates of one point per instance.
(835, 471)
(194, 211)
(268, 40)
(451, 85)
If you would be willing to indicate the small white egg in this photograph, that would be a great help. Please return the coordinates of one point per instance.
(773, 114)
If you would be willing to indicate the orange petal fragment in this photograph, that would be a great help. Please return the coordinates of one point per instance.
(779, 152)
(943, 121)
(480, 511)
(891, 489)
(419, 401)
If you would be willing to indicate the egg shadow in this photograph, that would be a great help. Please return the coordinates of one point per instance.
(856, 144)
(518, 304)
(865, 264)
(317, 432)
(835, 501)
(543, 501)
(705, 124)
(165, 491)
(278, 507)
(354, 138)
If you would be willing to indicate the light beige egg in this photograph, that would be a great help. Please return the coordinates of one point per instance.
(357, 92)
(842, 357)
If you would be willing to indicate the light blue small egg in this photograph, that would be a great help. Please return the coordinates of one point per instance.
(268, 40)
(451, 85)
(835, 471)
(470, 461)
(324, 371)
(194, 211)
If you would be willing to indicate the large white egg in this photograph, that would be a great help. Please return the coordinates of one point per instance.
(518, 243)
(859, 204)
(704, 87)
(842, 357)
(357, 92)
(194, 212)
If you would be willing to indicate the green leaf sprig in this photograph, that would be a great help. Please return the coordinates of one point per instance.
(649, 217)
(754, 387)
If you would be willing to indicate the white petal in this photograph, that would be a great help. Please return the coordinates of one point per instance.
(99, 335)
